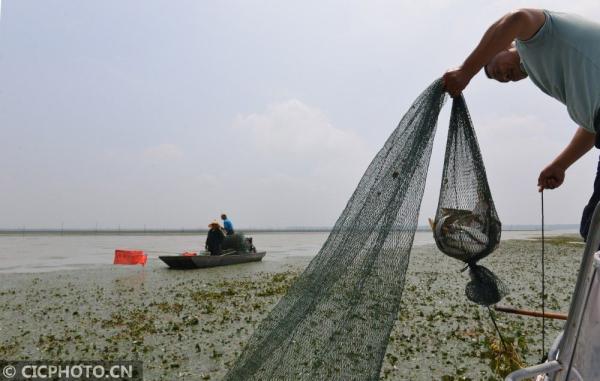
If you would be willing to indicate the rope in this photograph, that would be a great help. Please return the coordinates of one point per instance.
(497, 329)
(543, 285)
(543, 296)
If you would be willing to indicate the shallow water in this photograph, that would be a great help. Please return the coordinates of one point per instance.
(50, 252)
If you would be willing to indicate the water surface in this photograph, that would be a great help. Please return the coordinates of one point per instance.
(49, 252)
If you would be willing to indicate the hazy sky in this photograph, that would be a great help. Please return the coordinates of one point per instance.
(165, 113)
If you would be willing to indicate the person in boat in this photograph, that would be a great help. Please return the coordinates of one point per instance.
(227, 225)
(560, 53)
(214, 238)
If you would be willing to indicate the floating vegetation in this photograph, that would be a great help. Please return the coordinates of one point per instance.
(504, 357)
(566, 239)
(193, 325)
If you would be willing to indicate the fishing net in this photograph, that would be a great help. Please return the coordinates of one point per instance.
(235, 241)
(335, 320)
(466, 224)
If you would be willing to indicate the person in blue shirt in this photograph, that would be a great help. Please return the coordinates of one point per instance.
(227, 225)
(560, 53)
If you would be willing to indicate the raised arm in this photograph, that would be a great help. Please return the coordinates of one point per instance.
(521, 24)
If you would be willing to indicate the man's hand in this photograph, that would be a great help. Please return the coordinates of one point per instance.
(455, 81)
(551, 177)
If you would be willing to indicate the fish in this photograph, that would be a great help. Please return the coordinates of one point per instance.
(460, 233)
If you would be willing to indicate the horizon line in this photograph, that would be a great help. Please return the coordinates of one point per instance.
(289, 229)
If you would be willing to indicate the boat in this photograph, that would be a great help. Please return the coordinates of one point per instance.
(575, 353)
(182, 262)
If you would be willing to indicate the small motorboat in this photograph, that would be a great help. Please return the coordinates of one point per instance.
(183, 262)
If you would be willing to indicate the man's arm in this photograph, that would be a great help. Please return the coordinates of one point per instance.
(521, 24)
(554, 174)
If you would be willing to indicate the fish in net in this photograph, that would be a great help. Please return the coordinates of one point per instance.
(335, 320)
(466, 225)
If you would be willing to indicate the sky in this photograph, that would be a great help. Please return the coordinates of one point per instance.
(166, 113)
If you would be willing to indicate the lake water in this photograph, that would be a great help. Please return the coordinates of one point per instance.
(50, 252)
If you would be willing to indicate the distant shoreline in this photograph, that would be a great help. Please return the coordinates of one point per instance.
(249, 230)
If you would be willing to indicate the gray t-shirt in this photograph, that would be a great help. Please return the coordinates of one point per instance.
(563, 60)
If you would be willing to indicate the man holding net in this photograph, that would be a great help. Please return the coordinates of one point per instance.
(560, 53)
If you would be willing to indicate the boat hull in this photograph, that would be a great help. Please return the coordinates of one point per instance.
(180, 262)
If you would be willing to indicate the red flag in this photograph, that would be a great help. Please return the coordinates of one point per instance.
(130, 257)
(189, 254)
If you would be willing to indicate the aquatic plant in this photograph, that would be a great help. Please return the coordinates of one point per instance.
(504, 357)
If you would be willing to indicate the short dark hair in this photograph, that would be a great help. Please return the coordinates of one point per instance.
(223, 216)
(487, 74)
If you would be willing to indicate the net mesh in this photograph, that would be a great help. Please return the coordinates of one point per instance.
(335, 320)
(235, 241)
(466, 224)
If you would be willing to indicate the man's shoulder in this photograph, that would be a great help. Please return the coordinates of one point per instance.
(530, 21)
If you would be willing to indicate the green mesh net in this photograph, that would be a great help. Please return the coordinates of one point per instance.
(466, 224)
(235, 241)
(334, 323)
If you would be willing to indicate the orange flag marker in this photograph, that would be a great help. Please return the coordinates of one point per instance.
(130, 257)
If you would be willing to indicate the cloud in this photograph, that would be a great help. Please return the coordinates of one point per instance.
(583, 7)
(513, 139)
(508, 126)
(162, 153)
(307, 161)
(515, 148)
(291, 130)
